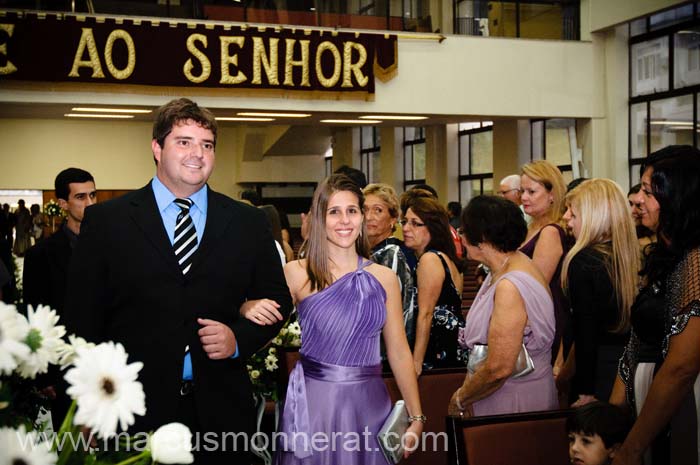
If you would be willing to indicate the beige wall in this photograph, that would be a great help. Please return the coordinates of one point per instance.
(602, 14)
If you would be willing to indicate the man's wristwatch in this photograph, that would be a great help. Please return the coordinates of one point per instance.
(421, 418)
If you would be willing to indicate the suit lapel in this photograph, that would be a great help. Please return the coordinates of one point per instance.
(144, 212)
(219, 215)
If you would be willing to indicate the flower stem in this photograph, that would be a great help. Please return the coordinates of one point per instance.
(135, 458)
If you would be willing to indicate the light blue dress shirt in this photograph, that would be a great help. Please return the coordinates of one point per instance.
(169, 212)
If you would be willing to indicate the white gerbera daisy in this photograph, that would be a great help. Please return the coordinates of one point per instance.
(18, 446)
(13, 332)
(67, 354)
(44, 341)
(271, 362)
(106, 388)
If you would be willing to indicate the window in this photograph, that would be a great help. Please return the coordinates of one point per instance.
(551, 140)
(475, 160)
(664, 82)
(370, 145)
(413, 156)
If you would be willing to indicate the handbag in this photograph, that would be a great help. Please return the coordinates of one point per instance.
(392, 431)
(523, 365)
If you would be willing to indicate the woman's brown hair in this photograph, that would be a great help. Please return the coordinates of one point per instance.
(316, 248)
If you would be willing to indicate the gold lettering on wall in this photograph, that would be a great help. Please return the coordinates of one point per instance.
(337, 64)
(289, 63)
(227, 60)
(200, 56)
(120, 34)
(87, 41)
(269, 62)
(350, 68)
(9, 68)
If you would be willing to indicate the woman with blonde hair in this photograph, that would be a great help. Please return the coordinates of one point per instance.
(543, 189)
(381, 212)
(599, 275)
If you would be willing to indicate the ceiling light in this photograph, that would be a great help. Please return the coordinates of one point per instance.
(671, 123)
(278, 115)
(394, 117)
(111, 110)
(350, 121)
(236, 118)
(80, 115)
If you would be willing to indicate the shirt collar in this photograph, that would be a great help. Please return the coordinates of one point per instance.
(164, 198)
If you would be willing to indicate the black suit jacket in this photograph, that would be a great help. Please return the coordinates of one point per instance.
(125, 285)
(46, 271)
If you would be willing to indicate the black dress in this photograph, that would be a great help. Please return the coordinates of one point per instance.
(595, 314)
(443, 350)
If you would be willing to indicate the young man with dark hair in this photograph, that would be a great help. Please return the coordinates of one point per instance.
(164, 270)
(46, 264)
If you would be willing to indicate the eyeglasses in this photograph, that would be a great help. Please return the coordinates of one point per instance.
(413, 223)
(503, 193)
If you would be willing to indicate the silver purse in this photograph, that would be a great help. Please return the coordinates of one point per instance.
(391, 432)
(523, 365)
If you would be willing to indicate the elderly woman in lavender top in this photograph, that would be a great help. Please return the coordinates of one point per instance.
(513, 312)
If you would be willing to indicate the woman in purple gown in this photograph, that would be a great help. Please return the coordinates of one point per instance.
(512, 313)
(336, 399)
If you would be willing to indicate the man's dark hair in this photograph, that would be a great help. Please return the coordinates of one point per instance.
(494, 220)
(180, 110)
(426, 187)
(573, 184)
(608, 421)
(68, 176)
(634, 189)
(251, 196)
(355, 175)
(455, 208)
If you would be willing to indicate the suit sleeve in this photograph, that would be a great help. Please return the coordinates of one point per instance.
(268, 282)
(585, 304)
(35, 277)
(86, 305)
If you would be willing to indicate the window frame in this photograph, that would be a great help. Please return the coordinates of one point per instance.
(481, 177)
(407, 182)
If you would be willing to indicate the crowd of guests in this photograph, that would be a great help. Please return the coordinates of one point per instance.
(590, 299)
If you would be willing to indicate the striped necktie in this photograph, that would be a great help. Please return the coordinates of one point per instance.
(185, 242)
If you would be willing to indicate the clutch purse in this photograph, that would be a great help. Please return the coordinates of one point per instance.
(523, 365)
(391, 432)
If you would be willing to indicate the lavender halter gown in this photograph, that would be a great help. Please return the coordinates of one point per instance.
(532, 392)
(336, 390)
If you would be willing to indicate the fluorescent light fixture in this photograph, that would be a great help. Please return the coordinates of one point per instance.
(671, 123)
(276, 115)
(236, 118)
(394, 117)
(111, 110)
(350, 121)
(81, 115)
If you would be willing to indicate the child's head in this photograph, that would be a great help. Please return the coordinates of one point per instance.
(595, 431)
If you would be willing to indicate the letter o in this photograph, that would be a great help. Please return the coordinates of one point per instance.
(333, 80)
(131, 63)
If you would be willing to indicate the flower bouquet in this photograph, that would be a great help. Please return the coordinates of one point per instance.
(53, 209)
(263, 366)
(105, 393)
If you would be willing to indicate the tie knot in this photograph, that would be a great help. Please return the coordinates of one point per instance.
(184, 204)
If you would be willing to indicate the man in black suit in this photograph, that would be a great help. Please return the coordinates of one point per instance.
(46, 263)
(164, 270)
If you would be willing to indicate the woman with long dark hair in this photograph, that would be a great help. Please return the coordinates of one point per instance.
(669, 414)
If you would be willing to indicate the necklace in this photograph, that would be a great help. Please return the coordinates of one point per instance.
(495, 273)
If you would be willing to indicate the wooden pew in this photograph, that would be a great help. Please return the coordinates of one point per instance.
(537, 438)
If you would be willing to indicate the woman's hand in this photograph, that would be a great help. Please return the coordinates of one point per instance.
(583, 399)
(419, 368)
(411, 439)
(453, 408)
(262, 311)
